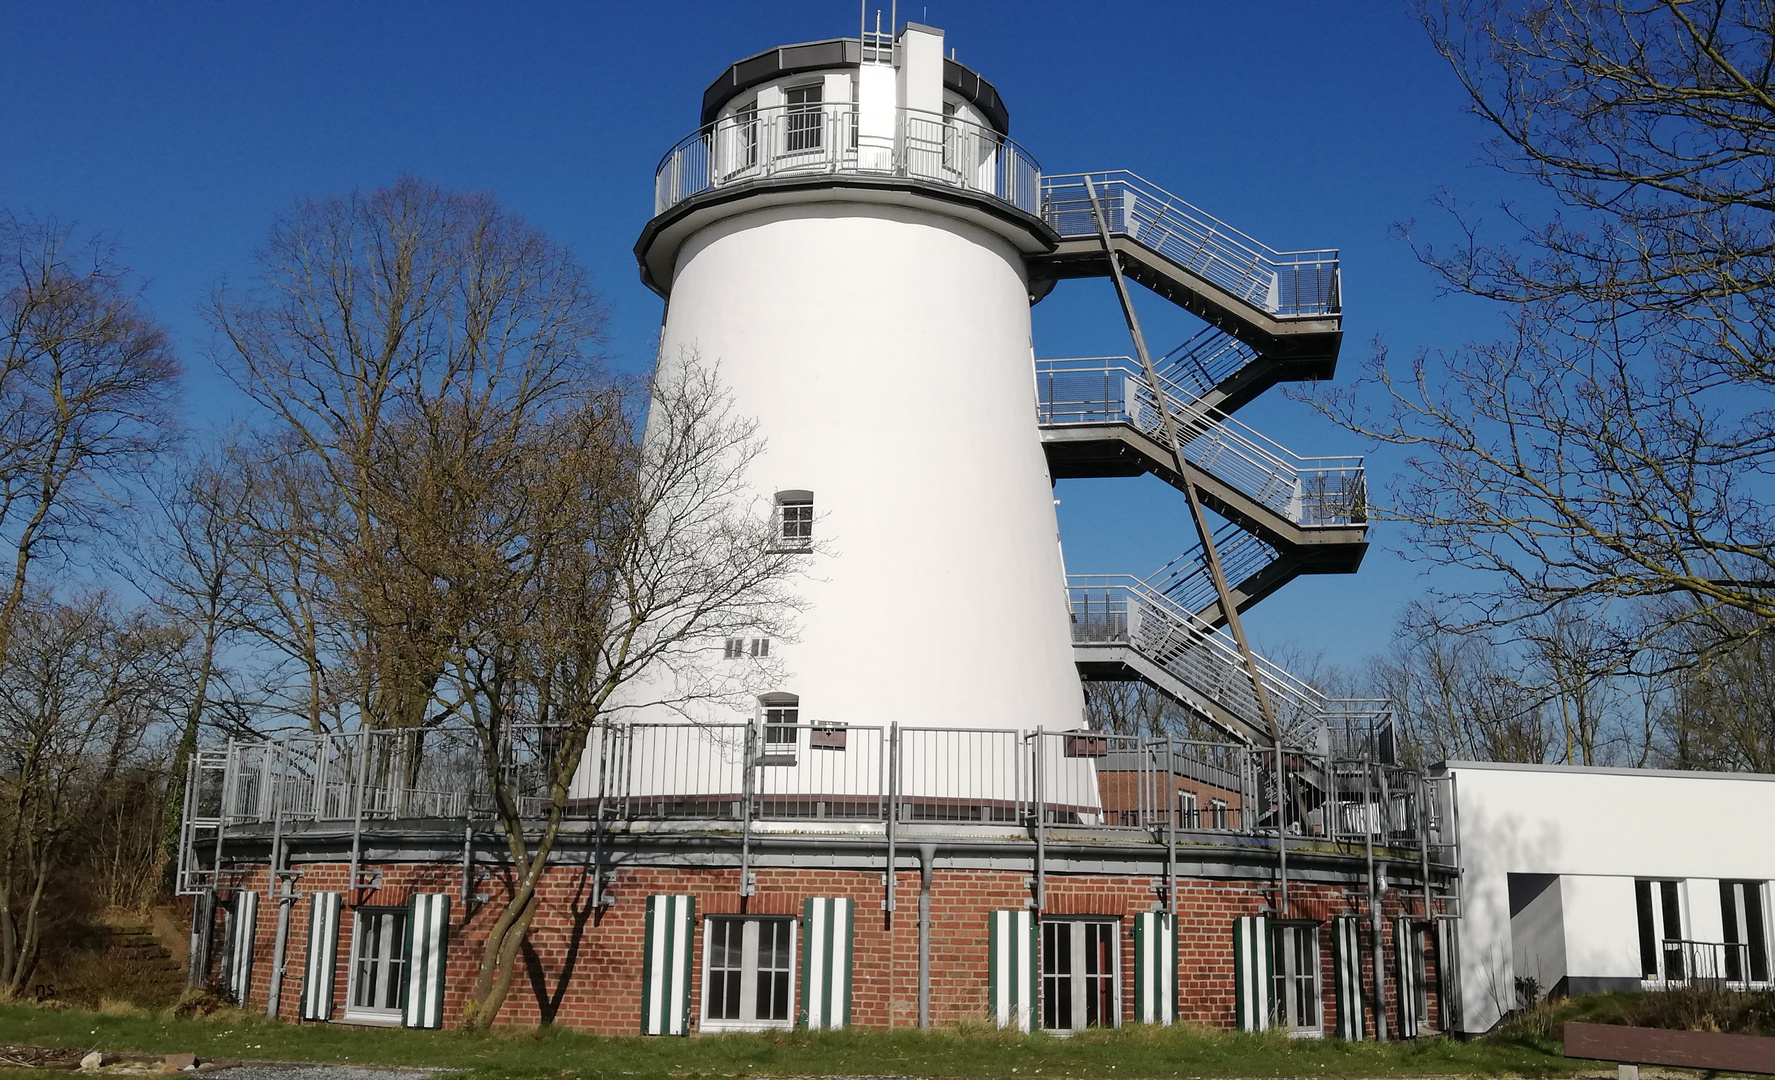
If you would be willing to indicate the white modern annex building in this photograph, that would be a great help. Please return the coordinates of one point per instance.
(1591, 879)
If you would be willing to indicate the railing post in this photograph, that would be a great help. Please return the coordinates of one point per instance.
(1170, 833)
(1039, 776)
(749, 757)
(893, 818)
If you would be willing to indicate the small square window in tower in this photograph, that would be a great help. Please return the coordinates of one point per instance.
(1296, 998)
(780, 716)
(378, 961)
(795, 520)
(1079, 962)
(748, 973)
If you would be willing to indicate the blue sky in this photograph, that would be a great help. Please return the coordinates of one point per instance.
(181, 129)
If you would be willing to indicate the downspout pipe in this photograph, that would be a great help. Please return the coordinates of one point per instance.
(283, 890)
(927, 854)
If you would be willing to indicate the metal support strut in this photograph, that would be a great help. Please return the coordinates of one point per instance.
(1198, 516)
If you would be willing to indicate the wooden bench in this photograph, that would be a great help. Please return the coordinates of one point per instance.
(1632, 1047)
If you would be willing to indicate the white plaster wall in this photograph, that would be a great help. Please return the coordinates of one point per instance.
(885, 353)
(1701, 910)
(1592, 823)
(1601, 927)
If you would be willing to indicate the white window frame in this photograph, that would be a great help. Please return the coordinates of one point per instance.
(750, 926)
(1289, 980)
(1735, 917)
(1217, 809)
(734, 649)
(795, 529)
(394, 964)
(1073, 973)
(793, 110)
(1188, 816)
(1660, 930)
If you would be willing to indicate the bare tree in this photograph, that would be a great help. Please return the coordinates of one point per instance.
(86, 383)
(393, 338)
(79, 693)
(1459, 696)
(1613, 444)
(1719, 711)
(639, 555)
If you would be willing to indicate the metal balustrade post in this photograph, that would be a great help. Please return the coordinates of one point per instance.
(893, 817)
(1039, 774)
(1170, 834)
(747, 794)
(357, 818)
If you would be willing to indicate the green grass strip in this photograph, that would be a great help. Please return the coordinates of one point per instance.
(1131, 1052)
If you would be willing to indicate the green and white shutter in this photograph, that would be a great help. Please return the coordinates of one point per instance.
(428, 926)
(666, 967)
(826, 963)
(1346, 963)
(1410, 973)
(323, 948)
(1011, 968)
(240, 949)
(1252, 986)
(1155, 968)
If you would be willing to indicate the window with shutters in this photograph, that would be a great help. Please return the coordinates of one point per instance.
(1295, 953)
(748, 973)
(1659, 905)
(1079, 961)
(1744, 918)
(378, 960)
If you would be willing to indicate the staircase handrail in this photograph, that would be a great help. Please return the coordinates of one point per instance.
(1294, 698)
(1261, 467)
(1251, 270)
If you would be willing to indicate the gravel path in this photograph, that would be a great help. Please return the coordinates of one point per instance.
(295, 1071)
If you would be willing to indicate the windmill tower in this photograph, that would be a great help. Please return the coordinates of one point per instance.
(854, 238)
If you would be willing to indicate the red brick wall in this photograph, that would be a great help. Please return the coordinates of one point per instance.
(584, 967)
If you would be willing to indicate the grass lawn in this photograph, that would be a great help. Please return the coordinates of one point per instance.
(1136, 1052)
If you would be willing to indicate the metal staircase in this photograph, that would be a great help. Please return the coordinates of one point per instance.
(1124, 629)
(1286, 305)
(1272, 316)
(1098, 417)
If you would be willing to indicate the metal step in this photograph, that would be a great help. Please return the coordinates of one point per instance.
(1286, 305)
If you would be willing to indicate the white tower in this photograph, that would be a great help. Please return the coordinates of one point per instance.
(846, 237)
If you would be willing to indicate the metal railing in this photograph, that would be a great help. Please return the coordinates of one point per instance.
(1185, 580)
(1119, 609)
(1313, 492)
(1203, 361)
(1687, 962)
(832, 138)
(760, 772)
(1283, 283)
